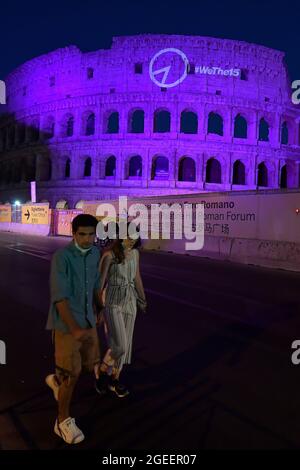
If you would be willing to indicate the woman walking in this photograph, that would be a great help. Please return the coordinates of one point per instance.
(121, 280)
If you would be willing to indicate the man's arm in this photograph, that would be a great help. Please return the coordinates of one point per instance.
(65, 313)
(60, 292)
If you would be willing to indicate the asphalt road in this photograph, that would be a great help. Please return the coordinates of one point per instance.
(211, 366)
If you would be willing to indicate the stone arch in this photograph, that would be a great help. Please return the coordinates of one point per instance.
(49, 127)
(34, 130)
(135, 167)
(28, 168)
(263, 130)
(21, 132)
(188, 122)
(283, 177)
(284, 133)
(136, 121)
(111, 124)
(240, 127)
(87, 170)
(239, 173)
(262, 175)
(215, 124)
(110, 167)
(45, 168)
(11, 135)
(79, 204)
(67, 172)
(213, 171)
(160, 168)
(67, 125)
(187, 169)
(162, 120)
(88, 123)
(62, 204)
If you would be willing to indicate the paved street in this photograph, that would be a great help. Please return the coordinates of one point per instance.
(211, 367)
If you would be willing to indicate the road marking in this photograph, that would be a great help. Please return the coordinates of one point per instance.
(30, 251)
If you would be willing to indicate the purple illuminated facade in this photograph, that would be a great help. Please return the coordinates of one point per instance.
(152, 115)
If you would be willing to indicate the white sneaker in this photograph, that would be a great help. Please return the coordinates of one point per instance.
(68, 431)
(53, 384)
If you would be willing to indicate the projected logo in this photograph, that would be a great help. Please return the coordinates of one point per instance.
(168, 67)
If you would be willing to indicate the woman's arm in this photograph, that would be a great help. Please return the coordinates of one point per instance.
(104, 268)
(138, 280)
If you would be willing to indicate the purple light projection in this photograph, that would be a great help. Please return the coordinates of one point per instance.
(153, 115)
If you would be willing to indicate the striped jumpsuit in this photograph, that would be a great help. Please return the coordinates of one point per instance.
(121, 307)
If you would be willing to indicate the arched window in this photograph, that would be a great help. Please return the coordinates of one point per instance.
(11, 136)
(45, 169)
(213, 171)
(70, 126)
(263, 134)
(187, 169)
(68, 168)
(79, 204)
(135, 167)
(62, 204)
(110, 166)
(21, 133)
(240, 127)
(262, 175)
(136, 121)
(4, 138)
(112, 123)
(283, 177)
(215, 124)
(87, 167)
(188, 122)
(29, 168)
(89, 73)
(162, 121)
(284, 138)
(239, 174)
(67, 126)
(49, 128)
(90, 124)
(34, 131)
(160, 168)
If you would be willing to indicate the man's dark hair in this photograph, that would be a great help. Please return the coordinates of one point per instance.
(83, 220)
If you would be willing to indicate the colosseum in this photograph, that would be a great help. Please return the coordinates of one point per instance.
(152, 115)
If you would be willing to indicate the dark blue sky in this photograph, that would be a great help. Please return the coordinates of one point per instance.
(31, 28)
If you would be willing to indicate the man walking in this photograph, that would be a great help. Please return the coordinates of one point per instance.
(74, 282)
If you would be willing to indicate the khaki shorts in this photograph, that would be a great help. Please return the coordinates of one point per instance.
(71, 355)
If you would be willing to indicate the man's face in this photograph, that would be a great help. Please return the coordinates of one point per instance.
(85, 236)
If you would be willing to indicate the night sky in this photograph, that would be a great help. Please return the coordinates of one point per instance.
(31, 28)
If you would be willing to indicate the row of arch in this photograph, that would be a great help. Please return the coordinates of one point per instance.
(187, 171)
(136, 124)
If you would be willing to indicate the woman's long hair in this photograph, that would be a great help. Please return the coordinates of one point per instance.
(117, 244)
